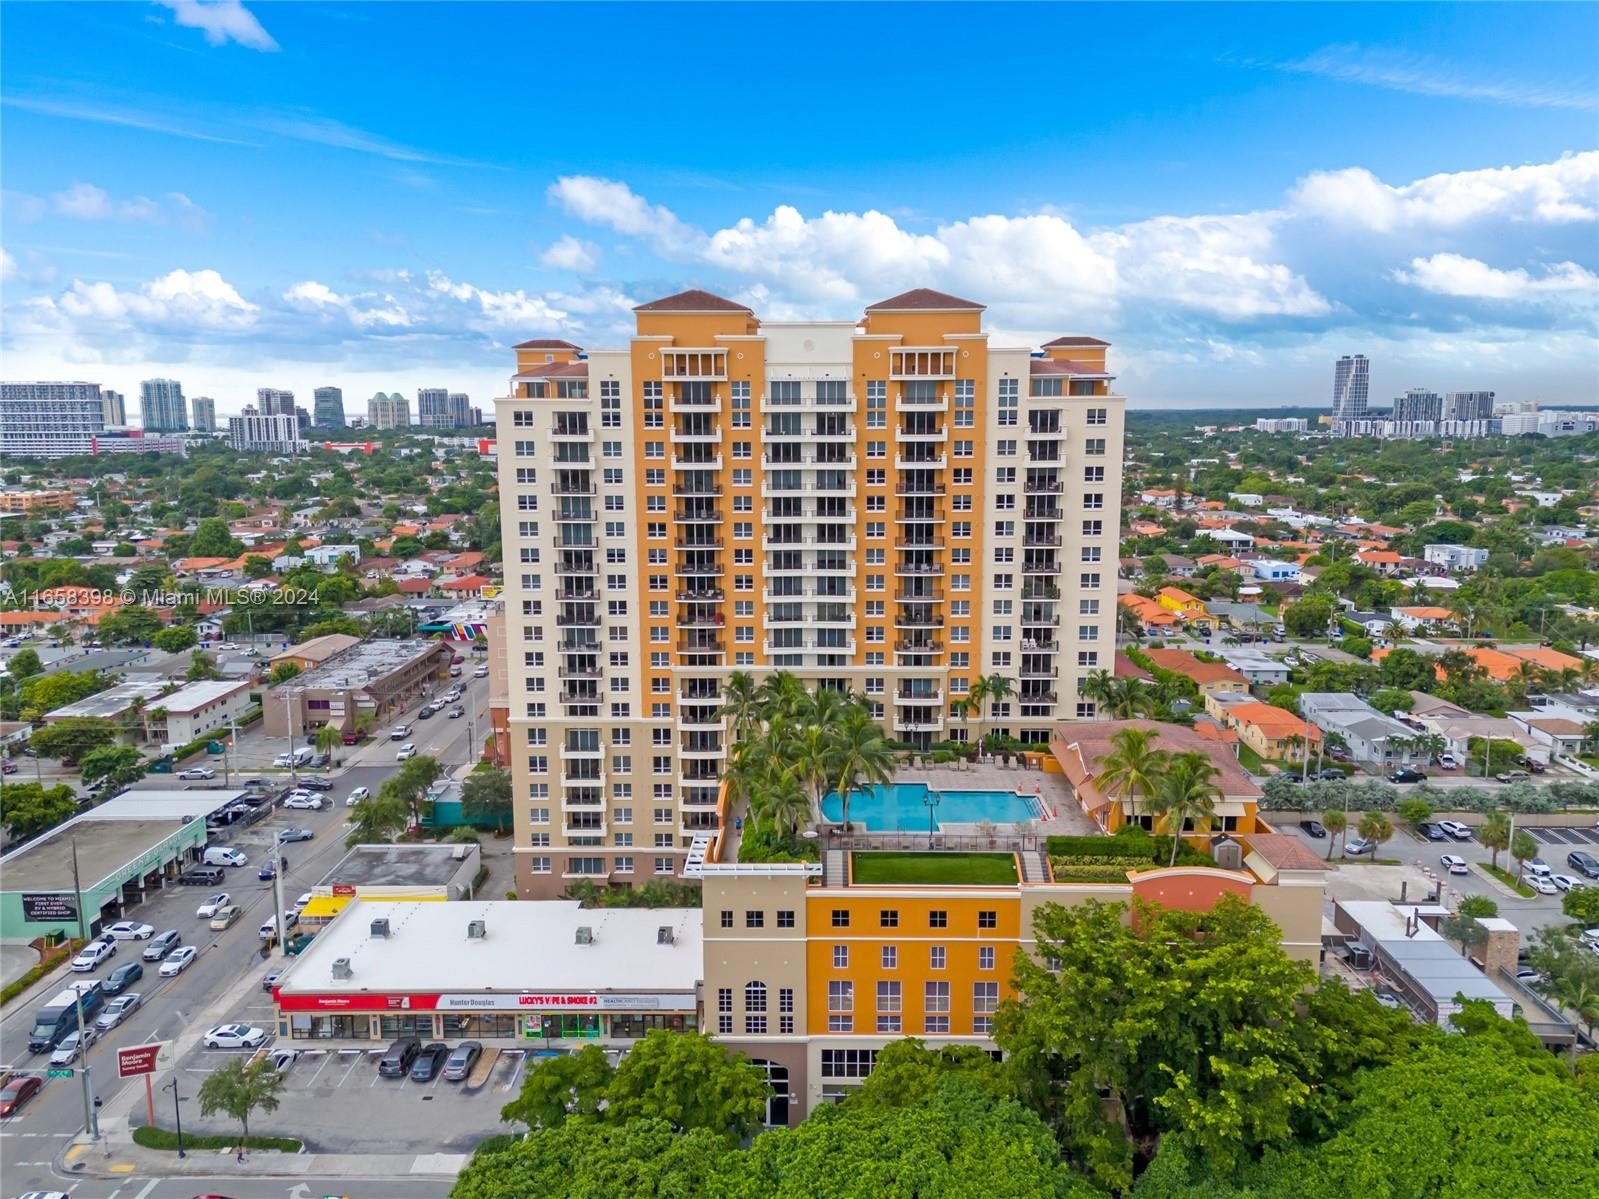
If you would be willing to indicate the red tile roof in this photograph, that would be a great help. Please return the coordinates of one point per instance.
(545, 343)
(556, 370)
(1283, 850)
(1075, 341)
(1064, 366)
(692, 301)
(414, 586)
(922, 299)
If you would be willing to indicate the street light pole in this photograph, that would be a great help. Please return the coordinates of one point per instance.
(177, 1113)
(932, 800)
(90, 1124)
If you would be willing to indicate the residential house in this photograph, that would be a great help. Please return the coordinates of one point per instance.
(1230, 537)
(1373, 738)
(1247, 499)
(1520, 662)
(1212, 678)
(195, 710)
(1259, 668)
(1455, 557)
(1158, 497)
(1177, 566)
(1276, 572)
(1190, 609)
(1371, 623)
(1270, 732)
(1155, 619)
(1423, 618)
(310, 654)
(1384, 562)
(328, 556)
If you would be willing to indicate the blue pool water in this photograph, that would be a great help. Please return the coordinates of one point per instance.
(898, 807)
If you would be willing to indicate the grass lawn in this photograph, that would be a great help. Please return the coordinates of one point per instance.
(959, 869)
(1250, 760)
(1509, 880)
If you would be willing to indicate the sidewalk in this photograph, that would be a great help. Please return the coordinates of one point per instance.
(119, 1157)
(16, 961)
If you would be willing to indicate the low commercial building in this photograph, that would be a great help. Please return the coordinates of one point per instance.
(392, 873)
(376, 679)
(126, 847)
(310, 654)
(546, 973)
(54, 500)
(114, 704)
(196, 710)
(1416, 960)
(1455, 557)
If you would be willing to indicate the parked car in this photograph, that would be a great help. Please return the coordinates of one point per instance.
(357, 796)
(92, 954)
(271, 977)
(225, 916)
(428, 1060)
(1456, 830)
(399, 732)
(234, 1036)
(457, 712)
(1447, 762)
(482, 672)
(1513, 776)
(301, 901)
(1357, 847)
(197, 772)
(397, 1058)
(315, 782)
(1455, 864)
(201, 876)
(162, 944)
(1431, 831)
(269, 926)
(17, 1091)
(458, 1066)
(295, 834)
(118, 1010)
(1534, 765)
(406, 752)
(123, 977)
(1566, 883)
(1314, 828)
(307, 803)
(222, 855)
(1539, 867)
(67, 1051)
(212, 903)
(1584, 864)
(1541, 883)
(1407, 775)
(131, 930)
(1330, 775)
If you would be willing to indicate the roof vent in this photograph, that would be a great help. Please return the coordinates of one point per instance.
(476, 930)
(380, 927)
(341, 968)
(585, 935)
(664, 935)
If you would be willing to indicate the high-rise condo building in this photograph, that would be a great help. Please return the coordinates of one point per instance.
(277, 433)
(433, 407)
(49, 420)
(273, 402)
(1351, 385)
(392, 411)
(115, 405)
(1469, 405)
(1419, 404)
(889, 505)
(460, 410)
(205, 414)
(328, 411)
(161, 406)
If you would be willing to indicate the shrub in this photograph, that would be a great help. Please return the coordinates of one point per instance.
(1066, 870)
(149, 1137)
(498, 1143)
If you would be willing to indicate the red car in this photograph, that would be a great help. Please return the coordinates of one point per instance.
(17, 1092)
(8, 768)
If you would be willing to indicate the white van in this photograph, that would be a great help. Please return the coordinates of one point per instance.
(221, 855)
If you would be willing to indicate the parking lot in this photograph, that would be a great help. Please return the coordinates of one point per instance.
(1576, 838)
(335, 1101)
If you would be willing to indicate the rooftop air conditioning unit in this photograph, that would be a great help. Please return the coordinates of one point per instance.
(458, 853)
(341, 968)
(664, 935)
(585, 935)
(380, 927)
(476, 930)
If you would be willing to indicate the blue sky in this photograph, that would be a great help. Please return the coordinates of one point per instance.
(390, 195)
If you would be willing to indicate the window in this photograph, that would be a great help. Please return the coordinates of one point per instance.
(936, 997)
(841, 995)
(985, 957)
(840, 917)
(888, 918)
(724, 999)
(985, 998)
(755, 997)
(727, 918)
(785, 918)
(754, 919)
(848, 1063)
(755, 1025)
(1094, 447)
(785, 999)
(888, 996)
(841, 957)
(1094, 416)
(890, 957)
(1009, 400)
(724, 1025)
(936, 957)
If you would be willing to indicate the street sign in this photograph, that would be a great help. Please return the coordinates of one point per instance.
(143, 1059)
(59, 1073)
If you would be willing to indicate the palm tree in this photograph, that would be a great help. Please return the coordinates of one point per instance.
(781, 694)
(1133, 767)
(812, 756)
(742, 705)
(1395, 632)
(1099, 686)
(1375, 828)
(785, 804)
(997, 688)
(1187, 791)
(861, 757)
(1578, 995)
(1335, 821)
(327, 739)
(1494, 834)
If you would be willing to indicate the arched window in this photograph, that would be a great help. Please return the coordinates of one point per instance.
(755, 997)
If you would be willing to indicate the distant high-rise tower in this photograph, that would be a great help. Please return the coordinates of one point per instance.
(433, 408)
(161, 406)
(205, 414)
(1419, 404)
(273, 402)
(115, 405)
(329, 408)
(392, 411)
(460, 410)
(1351, 381)
(1469, 405)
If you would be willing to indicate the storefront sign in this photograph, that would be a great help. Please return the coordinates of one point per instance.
(528, 1001)
(49, 905)
(134, 1060)
(342, 889)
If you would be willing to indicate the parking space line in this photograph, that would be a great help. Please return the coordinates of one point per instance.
(325, 1060)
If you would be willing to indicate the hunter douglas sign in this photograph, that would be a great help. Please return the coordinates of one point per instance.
(526, 1001)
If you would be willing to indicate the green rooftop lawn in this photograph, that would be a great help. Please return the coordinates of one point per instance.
(959, 869)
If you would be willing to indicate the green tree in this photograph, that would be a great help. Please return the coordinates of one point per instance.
(327, 739)
(1308, 617)
(1463, 926)
(1581, 905)
(1186, 793)
(378, 819)
(256, 567)
(284, 671)
(202, 666)
(486, 798)
(335, 624)
(129, 624)
(594, 1159)
(1335, 821)
(175, 640)
(212, 540)
(29, 808)
(1131, 770)
(411, 782)
(70, 739)
(1494, 835)
(558, 1087)
(1523, 848)
(1375, 828)
(906, 1073)
(25, 663)
(1414, 811)
(860, 756)
(46, 692)
(239, 1090)
(118, 765)
(689, 1081)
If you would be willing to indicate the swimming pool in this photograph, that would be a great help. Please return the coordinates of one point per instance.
(898, 807)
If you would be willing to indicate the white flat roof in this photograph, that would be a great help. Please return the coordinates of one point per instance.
(194, 696)
(529, 946)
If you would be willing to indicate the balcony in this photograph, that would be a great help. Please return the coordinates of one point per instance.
(1038, 697)
(1041, 568)
(906, 695)
(816, 461)
(1049, 488)
(771, 541)
(919, 569)
(572, 594)
(698, 570)
(918, 724)
(708, 595)
(564, 569)
(907, 620)
(680, 436)
(697, 516)
(586, 753)
(1039, 672)
(939, 402)
(846, 596)
(1040, 591)
(1040, 645)
(918, 516)
(685, 621)
(1037, 618)
(784, 433)
(912, 433)
(685, 487)
(572, 433)
(811, 403)
(698, 543)
(694, 365)
(1043, 541)
(845, 490)
(584, 830)
(918, 543)
(585, 776)
(697, 721)
(579, 620)
(919, 463)
(577, 645)
(571, 488)
(702, 753)
(926, 595)
(808, 645)
(1043, 512)
(920, 363)
(918, 645)
(701, 645)
(915, 487)
(711, 462)
(578, 695)
(677, 403)
(583, 541)
(578, 672)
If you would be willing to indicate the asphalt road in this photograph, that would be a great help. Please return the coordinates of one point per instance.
(244, 1188)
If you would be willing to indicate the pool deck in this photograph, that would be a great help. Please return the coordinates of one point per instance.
(1068, 818)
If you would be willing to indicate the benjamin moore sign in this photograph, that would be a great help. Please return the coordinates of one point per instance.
(42, 906)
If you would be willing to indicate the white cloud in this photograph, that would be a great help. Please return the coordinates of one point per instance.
(86, 202)
(1457, 275)
(222, 21)
(1428, 76)
(606, 202)
(179, 300)
(369, 310)
(571, 254)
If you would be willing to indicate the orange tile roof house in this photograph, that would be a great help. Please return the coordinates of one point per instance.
(1270, 732)
(1505, 665)
(1149, 612)
(1211, 677)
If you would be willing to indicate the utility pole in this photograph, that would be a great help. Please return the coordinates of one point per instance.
(91, 1125)
(277, 893)
(288, 712)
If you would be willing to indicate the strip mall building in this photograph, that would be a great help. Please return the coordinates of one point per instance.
(809, 978)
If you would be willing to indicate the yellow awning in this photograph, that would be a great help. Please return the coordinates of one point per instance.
(322, 907)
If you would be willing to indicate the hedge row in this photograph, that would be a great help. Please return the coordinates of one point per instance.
(1130, 844)
(52, 958)
(1286, 795)
(150, 1137)
(1066, 870)
(498, 1143)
